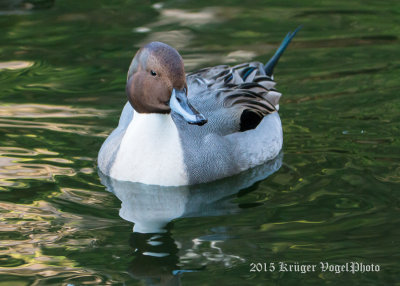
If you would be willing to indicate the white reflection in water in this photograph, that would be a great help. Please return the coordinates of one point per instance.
(180, 38)
(15, 65)
(15, 115)
(240, 55)
(188, 18)
(12, 168)
(175, 38)
(194, 60)
(48, 111)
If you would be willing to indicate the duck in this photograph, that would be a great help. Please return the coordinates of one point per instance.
(179, 129)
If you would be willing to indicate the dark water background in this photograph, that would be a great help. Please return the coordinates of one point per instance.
(335, 198)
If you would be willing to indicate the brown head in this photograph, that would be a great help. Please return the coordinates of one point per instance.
(156, 83)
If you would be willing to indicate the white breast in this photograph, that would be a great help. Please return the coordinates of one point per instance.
(151, 152)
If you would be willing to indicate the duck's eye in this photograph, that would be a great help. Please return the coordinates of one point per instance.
(153, 73)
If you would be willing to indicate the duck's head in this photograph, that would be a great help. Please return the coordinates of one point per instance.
(156, 83)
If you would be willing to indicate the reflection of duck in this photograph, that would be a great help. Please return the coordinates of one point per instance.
(151, 208)
(156, 259)
(154, 144)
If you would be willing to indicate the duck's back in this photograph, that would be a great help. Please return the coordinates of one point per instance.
(243, 129)
(234, 99)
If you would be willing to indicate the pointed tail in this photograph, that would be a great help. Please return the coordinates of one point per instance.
(269, 67)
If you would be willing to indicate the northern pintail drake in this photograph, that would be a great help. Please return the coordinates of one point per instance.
(179, 129)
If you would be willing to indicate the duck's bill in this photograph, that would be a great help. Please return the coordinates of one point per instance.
(179, 103)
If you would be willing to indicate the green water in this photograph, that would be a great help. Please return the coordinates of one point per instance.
(335, 197)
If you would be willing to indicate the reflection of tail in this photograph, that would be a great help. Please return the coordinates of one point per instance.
(269, 67)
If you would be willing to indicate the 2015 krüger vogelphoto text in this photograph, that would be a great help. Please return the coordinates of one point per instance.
(323, 266)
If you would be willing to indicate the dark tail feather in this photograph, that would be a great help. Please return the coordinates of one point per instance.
(269, 67)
